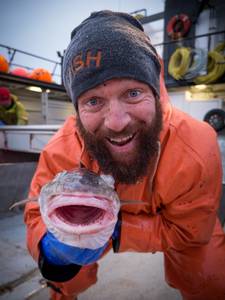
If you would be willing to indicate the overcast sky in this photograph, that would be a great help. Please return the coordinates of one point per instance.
(43, 27)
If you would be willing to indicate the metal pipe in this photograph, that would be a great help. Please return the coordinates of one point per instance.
(189, 38)
(27, 53)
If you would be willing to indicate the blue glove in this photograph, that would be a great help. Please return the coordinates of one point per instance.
(117, 230)
(58, 253)
(116, 236)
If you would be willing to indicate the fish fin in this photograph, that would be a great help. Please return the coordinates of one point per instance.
(23, 202)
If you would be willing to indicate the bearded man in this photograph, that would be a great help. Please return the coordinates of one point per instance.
(126, 127)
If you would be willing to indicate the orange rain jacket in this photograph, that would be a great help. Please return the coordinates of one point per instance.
(180, 215)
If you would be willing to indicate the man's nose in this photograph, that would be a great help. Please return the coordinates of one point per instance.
(117, 117)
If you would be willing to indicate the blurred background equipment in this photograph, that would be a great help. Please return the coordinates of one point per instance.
(20, 72)
(215, 66)
(179, 62)
(42, 93)
(198, 64)
(199, 26)
(178, 26)
(216, 118)
(4, 65)
(139, 14)
(191, 65)
(21, 62)
(41, 74)
(12, 111)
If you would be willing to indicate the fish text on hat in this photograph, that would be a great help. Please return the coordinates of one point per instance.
(81, 61)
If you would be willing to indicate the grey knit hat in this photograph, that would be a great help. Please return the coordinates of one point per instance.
(109, 45)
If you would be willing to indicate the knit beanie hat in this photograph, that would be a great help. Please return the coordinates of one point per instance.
(109, 45)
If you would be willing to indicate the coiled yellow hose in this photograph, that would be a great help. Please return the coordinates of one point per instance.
(215, 66)
(198, 64)
(179, 62)
(220, 47)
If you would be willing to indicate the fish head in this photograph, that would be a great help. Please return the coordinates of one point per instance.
(79, 202)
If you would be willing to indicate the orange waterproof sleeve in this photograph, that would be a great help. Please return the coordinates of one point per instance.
(146, 233)
(188, 213)
(35, 226)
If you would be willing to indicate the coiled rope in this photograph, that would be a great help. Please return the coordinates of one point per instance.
(220, 48)
(191, 64)
(198, 64)
(179, 62)
(215, 66)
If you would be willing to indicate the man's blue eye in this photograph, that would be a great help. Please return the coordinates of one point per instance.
(93, 101)
(134, 93)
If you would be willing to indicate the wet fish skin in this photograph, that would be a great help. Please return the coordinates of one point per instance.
(81, 180)
(80, 208)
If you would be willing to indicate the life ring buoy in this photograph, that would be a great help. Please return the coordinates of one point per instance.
(178, 26)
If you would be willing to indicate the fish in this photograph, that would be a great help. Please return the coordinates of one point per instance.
(80, 208)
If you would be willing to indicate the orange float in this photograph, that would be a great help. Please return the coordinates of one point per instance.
(20, 72)
(41, 74)
(178, 26)
(4, 65)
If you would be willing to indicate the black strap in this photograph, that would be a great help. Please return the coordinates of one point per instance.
(49, 284)
(116, 241)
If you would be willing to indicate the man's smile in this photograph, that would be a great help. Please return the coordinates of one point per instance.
(121, 141)
(122, 148)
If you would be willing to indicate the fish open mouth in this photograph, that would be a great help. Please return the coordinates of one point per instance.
(80, 214)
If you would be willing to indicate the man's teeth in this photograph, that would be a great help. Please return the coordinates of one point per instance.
(121, 140)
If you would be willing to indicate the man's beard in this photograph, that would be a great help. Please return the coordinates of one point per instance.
(146, 150)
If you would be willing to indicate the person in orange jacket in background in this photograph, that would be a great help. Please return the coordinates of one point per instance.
(12, 111)
(158, 155)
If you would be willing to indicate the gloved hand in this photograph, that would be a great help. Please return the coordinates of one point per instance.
(58, 253)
